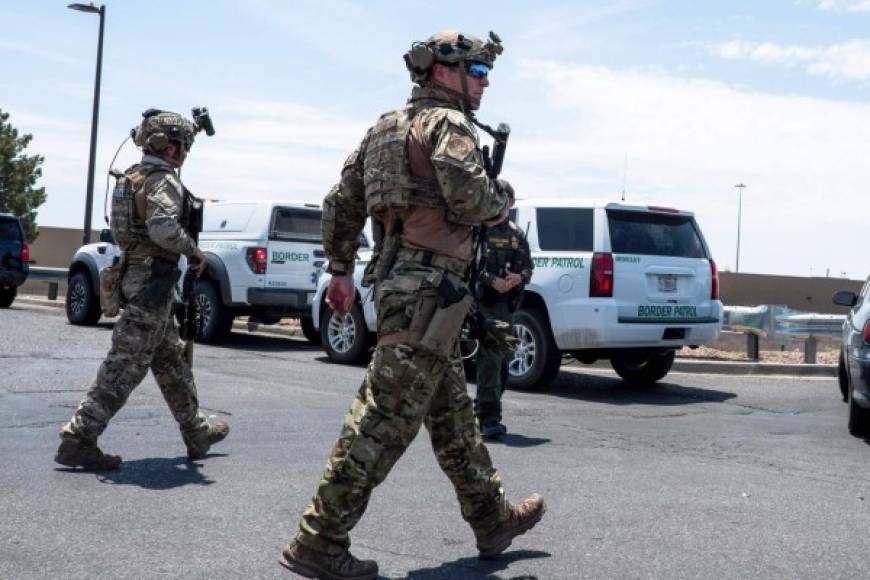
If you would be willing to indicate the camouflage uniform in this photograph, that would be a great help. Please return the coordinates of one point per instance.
(408, 384)
(506, 250)
(146, 335)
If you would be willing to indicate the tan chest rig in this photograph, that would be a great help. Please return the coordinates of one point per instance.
(128, 213)
(386, 175)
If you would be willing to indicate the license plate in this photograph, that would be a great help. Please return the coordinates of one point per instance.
(667, 283)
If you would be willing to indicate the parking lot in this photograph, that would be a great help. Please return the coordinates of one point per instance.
(703, 476)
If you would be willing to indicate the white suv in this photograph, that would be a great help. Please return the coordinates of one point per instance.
(263, 261)
(612, 280)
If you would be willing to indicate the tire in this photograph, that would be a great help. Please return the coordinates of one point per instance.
(536, 360)
(345, 341)
(859, 418)
(843, 378)
(216, 319)
(82, 303)
(7, 295)
(644, 371)
(308, 330)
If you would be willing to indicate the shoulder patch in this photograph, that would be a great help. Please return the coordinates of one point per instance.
(459, 146)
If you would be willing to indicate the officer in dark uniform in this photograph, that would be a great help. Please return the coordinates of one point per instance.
(507, 268)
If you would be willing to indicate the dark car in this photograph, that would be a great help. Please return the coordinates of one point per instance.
(854, 368)
(14, 258)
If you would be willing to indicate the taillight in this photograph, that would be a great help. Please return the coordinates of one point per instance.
(25, 252)
(714, 275)
(257, 260)
(867, 332)
(601, 276)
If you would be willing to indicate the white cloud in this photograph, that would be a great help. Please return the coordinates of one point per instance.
(847, 60)
(689, 141)
(844, 5)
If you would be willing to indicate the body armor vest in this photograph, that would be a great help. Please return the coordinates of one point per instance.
(128, 213)
(386, 175)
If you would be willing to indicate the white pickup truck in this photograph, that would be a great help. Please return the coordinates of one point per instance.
(263, 261)
(624, 282)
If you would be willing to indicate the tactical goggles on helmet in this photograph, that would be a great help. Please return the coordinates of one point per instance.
(477, 70)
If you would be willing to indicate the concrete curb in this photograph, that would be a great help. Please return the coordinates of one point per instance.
(718, 367)
(681, 365)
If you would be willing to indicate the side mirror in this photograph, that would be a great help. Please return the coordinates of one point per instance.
(845, 298)
(106, 236)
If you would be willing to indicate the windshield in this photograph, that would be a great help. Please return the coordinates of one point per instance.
(654, 234)
(9, 230)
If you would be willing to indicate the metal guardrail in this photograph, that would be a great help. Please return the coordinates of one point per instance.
(53, 276)
(774, 320)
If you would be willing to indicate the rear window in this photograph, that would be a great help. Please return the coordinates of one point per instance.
(295, 225)
(9, 230)
(566, 229)
(654, 234)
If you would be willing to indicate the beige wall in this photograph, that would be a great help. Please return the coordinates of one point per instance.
(54, 247)
(809, 294)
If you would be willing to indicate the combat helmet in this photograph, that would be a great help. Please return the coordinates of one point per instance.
(159, 128)
(451, 48)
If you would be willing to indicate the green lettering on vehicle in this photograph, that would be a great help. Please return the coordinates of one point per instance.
(282, 257)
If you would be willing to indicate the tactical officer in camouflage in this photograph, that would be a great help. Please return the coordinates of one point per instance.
(150, 222)
(419, 174)
(507, 267)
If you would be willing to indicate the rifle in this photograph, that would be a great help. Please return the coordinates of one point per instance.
(495, 333)
(191, 316)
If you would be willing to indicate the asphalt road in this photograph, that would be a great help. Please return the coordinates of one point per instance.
(703, 476)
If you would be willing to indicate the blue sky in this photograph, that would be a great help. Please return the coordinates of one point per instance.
(697, 95)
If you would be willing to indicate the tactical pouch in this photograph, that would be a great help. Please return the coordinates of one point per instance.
(110, 288)
(438, 315)
(164, 276)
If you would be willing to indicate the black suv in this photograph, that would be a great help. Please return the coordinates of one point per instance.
(14, 258)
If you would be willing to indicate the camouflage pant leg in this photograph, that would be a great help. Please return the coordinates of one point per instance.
(136, 335)
(382, 422)
(461, 453)
(491, 369)
(175, 379)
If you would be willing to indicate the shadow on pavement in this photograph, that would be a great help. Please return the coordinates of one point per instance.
(264, 343)
(517, 440)
(474, 568)
(158, 473)
(603, 389)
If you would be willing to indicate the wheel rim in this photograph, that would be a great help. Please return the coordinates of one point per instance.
(77, 298)
(524, 355)
(341, 332)
(203, 311)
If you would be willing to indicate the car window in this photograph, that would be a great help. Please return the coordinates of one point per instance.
(295, 224)
(863, 295)
(565, 229)
(654, 234)
(9, 230)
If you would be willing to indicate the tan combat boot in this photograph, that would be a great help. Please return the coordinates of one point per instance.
(340, 565)
(217, 432)
(74, 452)
(520, 519)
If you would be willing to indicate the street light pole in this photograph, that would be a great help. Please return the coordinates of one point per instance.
(740, 187)
(89, 194)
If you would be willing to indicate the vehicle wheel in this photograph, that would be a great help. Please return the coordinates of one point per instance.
(216, 320)
(7, 295)
(859, 418)
(643, 371)
(843, 378)
(536, 360)
(345, 340)
(82, 303)
(308, 330)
